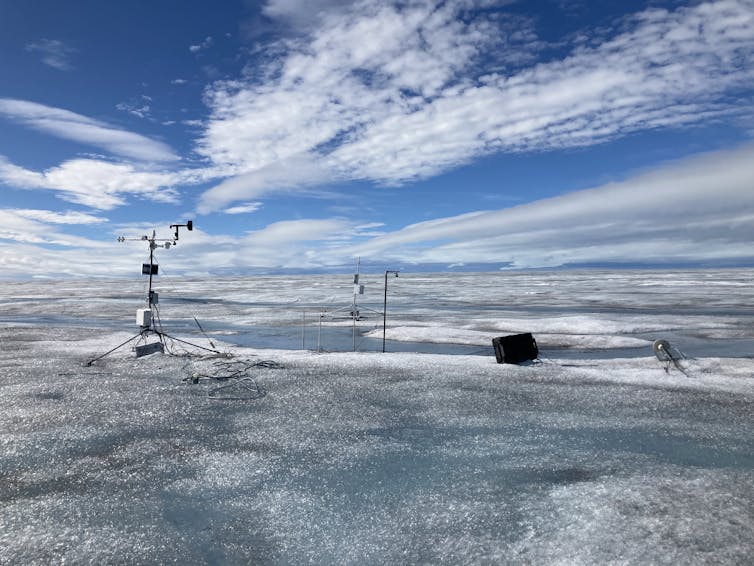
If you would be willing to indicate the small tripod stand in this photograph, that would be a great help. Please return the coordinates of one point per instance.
(148, 319)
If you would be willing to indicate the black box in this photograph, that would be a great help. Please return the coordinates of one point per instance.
(515, 349)
(147, 349)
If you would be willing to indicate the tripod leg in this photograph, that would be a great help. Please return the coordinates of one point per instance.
(161, 334)
(90, 362)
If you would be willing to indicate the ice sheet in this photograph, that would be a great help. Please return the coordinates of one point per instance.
(442, 335)
(360, 457)
(365, 457)
(703, 312)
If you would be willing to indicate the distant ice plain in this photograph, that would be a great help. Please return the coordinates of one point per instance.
(595, 455)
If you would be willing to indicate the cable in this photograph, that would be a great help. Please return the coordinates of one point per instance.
(203, 333)
(239, 373)
(172, 287)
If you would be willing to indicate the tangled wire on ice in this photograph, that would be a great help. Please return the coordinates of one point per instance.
(242, 384)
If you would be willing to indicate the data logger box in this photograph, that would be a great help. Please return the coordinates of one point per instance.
(144, 317)
(147, 349)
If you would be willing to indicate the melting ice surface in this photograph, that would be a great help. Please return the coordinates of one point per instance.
(607, 313)
(595, 455)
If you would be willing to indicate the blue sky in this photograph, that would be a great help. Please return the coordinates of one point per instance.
(299, 135)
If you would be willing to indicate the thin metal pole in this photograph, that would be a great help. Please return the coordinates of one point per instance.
(303, 328)
(151, 269)
(384, 308)
(354, 306)
(384, 315)
(319, 332)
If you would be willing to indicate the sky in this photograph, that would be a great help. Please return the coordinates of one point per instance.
(416, 135)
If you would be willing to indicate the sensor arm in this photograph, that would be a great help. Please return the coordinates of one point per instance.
(154, 239)
(189, 226)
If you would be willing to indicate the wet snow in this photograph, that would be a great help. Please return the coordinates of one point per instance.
(397, 458)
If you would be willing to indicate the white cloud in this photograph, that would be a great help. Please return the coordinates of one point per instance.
(395, 91)
(696, 210)
(297, 173)
(50, 217)
(15, 227)
(299, 244)
(32, 227)
(55, 53)
(139, 108)
(45, 260)
(392, 92)
(207, 43)
(335, 83)
(301, 14)
(644, 78)
(75, 127)
(19, 177)
(244, 208)
(290, 244)
(96, 183)
(288, 231)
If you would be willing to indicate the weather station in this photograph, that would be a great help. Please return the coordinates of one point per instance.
(148, 319)
(355, 312)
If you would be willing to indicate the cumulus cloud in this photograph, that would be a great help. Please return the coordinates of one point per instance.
(391, 92)
(75, 127)
(55, 53)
